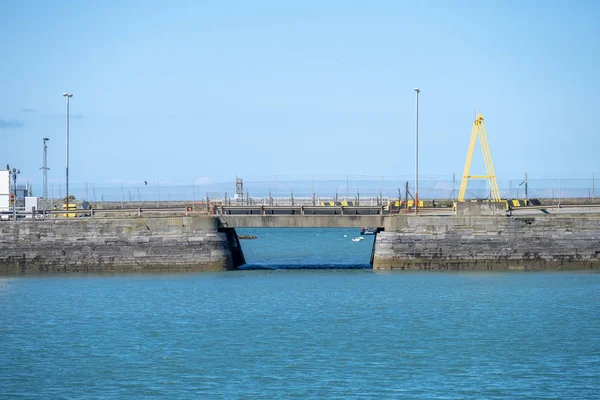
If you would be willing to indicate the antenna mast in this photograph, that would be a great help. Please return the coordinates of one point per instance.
(45, 168)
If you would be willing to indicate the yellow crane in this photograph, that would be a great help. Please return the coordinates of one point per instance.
(479, 132)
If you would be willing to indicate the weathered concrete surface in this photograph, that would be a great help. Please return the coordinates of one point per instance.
(106, 245)
(480, 208)
(488, 243)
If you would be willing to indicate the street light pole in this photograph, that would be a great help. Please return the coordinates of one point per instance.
(417, 90)
(15, 172)
(67, 96)
(45, 169)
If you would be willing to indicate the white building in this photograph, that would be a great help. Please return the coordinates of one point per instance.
(4, 190)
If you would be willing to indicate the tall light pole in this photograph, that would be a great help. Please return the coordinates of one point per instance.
(45, 169)
(67, 96)
(15, 172)
(417, 90)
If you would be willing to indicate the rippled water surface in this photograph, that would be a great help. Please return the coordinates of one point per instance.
(301, 334)
(308, 247)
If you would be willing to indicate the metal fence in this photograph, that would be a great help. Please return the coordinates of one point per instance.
(285, 189)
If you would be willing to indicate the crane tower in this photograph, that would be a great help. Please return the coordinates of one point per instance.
(479, 132)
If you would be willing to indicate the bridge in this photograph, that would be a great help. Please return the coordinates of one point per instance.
(308, 216)
(303, 221)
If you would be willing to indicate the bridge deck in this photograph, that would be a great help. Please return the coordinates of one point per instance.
(299, 216)
(303, 221)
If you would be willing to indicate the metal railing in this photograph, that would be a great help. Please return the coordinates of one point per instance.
(288, 190)
(261, 210)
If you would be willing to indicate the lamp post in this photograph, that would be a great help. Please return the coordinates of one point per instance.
(417, 90)
(45, 169)
(15, 172)
(67, 96)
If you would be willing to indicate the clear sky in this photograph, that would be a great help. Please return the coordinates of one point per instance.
(207, 90)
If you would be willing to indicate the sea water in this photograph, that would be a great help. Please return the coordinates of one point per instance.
(297, 333)
(317, 248)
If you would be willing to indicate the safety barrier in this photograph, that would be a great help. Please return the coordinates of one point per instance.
(339, 203)
(402, 205)
(511, 203)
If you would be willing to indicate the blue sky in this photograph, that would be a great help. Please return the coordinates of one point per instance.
(207, 90)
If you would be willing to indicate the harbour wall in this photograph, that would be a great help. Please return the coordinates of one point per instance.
(488, 243)
(170, 244)
(198, 243)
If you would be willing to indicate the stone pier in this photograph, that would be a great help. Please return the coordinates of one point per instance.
(170, 244)
(488, 243)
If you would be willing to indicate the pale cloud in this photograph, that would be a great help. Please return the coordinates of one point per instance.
(10, 124)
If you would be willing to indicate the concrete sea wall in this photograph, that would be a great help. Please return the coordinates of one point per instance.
(119, 245)
(488, 243)
(482, 242)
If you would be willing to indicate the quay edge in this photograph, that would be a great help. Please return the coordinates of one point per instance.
(162, 244)
(489, 243)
